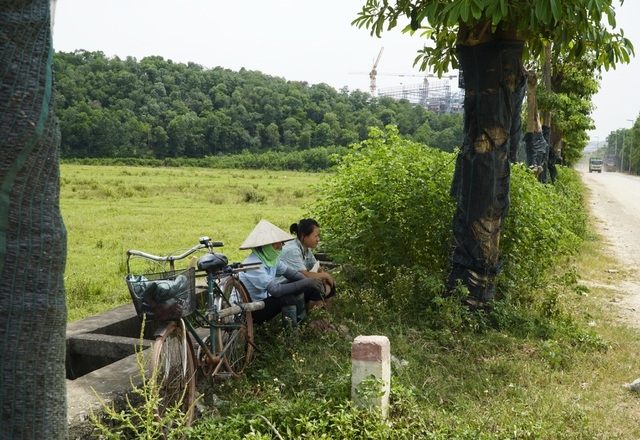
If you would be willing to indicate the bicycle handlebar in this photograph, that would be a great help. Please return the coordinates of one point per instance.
(243, 267)
(167, 258)
(204, 242)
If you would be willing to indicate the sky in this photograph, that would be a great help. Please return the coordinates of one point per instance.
(299, 40)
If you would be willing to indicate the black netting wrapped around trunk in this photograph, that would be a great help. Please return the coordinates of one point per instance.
(33, 314)
(540, 158)
(494, 84)
(551, 155)
(536, 147)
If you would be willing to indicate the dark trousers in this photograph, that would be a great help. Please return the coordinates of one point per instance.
(272, 307)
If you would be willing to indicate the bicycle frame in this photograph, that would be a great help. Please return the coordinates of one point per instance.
(215, 314)
(216, 297)
(229, 341)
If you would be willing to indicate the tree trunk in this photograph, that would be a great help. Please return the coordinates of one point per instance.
(494, 84)
(33, 314)
(550, 168)
(536, 145)
(546, 79)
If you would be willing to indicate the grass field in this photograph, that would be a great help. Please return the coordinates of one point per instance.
(108, 210)
(528, 379)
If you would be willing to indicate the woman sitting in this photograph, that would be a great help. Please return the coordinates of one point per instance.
(298, 254)
(265, 243)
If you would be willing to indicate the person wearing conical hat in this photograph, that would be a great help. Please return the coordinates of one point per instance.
(265, 243)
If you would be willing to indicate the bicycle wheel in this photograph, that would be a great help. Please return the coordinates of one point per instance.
(172, 362)
(237, 339)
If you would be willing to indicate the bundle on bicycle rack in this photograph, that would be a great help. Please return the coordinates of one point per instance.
(163, 296)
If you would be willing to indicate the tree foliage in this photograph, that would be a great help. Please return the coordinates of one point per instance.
(574, 26)
(155, 108)
(624, 144)
(573, 84)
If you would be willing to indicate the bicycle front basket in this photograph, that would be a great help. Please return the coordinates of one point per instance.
(163, 296)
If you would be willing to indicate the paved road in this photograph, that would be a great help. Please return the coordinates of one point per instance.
(615, 202)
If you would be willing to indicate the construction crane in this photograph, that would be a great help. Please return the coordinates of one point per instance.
(374, 72)
(436, 97)
(420, 75)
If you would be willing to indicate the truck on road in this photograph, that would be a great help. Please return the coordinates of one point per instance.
(595, 164)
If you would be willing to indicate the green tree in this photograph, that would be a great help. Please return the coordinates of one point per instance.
(304, 140)
(632, 152)
(272, 136)
(291, 128)
(447, 139)
(486, 40)
(108, 106)
(159, 142)
(323, 135)
(569, 104)
(33, 312)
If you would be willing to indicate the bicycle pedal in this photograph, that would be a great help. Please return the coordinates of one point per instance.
(208, 361)
(225, 375)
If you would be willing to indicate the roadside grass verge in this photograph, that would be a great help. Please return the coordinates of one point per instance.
(554, 370)
(510, 376)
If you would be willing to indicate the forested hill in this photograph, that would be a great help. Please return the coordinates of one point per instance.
(155, 108)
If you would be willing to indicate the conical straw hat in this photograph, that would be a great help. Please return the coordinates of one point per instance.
(265, 233)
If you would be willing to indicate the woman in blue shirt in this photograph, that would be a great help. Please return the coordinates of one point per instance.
(265, 243)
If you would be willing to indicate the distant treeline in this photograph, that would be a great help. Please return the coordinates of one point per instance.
(157, 109)
(315, 159)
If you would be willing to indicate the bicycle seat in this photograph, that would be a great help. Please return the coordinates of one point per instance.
(212, 262)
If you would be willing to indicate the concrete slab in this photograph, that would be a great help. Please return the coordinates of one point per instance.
(102, 364)
(107, 385)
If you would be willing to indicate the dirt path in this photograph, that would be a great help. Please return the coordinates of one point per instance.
(615, 203)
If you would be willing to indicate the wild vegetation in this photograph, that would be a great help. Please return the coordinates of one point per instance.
(155, 108)
(547, 362)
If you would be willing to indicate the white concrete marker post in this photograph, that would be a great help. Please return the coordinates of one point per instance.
(371, 372)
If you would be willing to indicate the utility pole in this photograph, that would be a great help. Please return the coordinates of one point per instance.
(624, 135)
(631, 143)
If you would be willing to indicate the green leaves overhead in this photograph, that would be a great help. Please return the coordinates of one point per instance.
(575, 26)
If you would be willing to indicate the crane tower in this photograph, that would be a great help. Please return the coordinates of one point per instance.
(374, 72)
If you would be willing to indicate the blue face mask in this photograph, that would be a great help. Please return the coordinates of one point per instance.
(267, 254)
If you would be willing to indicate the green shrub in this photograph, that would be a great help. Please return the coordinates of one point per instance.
(545, 224)
(314, 160)
(387, 206)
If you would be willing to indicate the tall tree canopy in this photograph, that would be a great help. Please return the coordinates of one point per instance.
(486, 40)
(156, 108)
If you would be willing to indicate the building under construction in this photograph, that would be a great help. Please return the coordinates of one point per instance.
(436, 96)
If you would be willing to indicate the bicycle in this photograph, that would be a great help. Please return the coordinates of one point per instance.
(222, 327)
